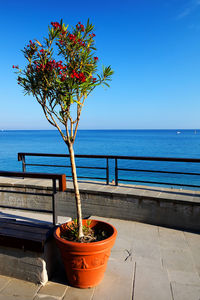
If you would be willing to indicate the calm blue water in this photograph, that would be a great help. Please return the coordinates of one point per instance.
(164, 143)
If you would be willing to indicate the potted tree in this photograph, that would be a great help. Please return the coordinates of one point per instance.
(61, 72)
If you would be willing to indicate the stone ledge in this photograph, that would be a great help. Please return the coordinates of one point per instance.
(153, 205)
(30, 266)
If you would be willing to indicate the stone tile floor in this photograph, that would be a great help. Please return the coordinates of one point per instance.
(147, 263)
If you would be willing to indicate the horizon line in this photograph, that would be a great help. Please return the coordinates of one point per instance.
(2, 130)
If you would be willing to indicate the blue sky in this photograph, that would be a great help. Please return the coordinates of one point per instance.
(153, 47)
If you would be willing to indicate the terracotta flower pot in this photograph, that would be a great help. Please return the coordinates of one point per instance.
(85, 263)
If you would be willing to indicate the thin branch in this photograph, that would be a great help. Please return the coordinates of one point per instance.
(71, 126)
(64, 110)
(58, 127)
(67, 131)
(47, 116)
(48, 112)
(66, 125)
(79, 109)
(56, 115)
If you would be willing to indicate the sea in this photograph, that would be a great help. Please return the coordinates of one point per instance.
(152, 143)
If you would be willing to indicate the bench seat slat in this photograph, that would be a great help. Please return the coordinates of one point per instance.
(26, 245)
(25, 228)
(24, 235)
(26, 223)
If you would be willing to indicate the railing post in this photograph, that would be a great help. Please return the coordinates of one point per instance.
(107, 171)
(116, 172)
(53, 201)
(23, 164)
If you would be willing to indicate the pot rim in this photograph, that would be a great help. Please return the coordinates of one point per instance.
(93, 244)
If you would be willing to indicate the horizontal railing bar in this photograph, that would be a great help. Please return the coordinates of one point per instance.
(172, 159)
(44, 165)
(155, 182)
(61, 166)
(30, 175)
(88, 177)
(91, 177)
(95, 168)
(60, 177)
(158, 171)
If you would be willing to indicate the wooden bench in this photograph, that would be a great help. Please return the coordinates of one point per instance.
(27, 250)
(24, 235)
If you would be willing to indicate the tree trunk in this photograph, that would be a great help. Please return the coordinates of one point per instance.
(76, 191)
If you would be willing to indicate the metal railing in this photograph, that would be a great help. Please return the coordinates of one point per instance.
(117, 169)
(61, 178)
(22, 155)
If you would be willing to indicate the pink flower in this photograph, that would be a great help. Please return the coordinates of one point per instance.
(82, 27)
(56, 25)
(82, 77)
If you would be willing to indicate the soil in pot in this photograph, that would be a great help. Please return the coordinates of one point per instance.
(69, 232)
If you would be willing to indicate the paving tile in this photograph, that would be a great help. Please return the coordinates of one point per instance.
(145, 243)
(125, 234)
(177, 260)
(79, 294)
(193, 239)
(4, 280)
(45, 297)
(182, 197)
(170, 238)
(168, 195)
(131, 191)
(53, 289)
(161, 256)
(194, 244)
(146, 249)
(117, 283)
(184, 277)
(185, 292)
(148, 261)
(149, 193)
(15, 297)
(151, 284)
(20, 288)
(196, 199)
(112, 189)
(122, 255)
(146, 232)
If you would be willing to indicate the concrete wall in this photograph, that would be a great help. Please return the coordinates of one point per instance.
(157, 211)
(31, 266)
(26, 197)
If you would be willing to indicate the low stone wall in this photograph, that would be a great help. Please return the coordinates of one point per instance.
(30, 266)
(163, 211)
(26, 197)
(156, 211)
